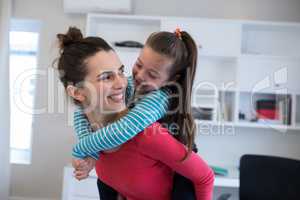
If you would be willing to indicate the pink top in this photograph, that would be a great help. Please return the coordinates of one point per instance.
(142, 168)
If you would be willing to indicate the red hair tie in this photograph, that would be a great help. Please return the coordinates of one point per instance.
(178, 33)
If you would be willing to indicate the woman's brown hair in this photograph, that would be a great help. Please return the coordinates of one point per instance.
(182, 50)
(74, 50)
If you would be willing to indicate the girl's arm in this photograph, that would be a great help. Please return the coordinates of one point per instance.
(146, 111)
(158, 144)
(83, 128)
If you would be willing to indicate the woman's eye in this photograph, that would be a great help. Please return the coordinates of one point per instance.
(106, 77)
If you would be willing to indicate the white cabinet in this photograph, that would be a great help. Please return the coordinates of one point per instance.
(237, 57)
(271, 39)
(240, 64)
(114, 28)
(79, 190)
(269, 75)
(216, 37)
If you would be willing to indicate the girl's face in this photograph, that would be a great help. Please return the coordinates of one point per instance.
(105, 83)
(151, 70)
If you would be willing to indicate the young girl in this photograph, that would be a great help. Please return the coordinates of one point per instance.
(165, 55)
(152, 155)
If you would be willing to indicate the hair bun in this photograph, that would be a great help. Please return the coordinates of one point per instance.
(72, 36)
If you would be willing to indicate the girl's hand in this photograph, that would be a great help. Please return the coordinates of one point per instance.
(83, 167)
(81, 174)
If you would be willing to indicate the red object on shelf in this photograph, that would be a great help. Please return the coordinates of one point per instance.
(267, 114)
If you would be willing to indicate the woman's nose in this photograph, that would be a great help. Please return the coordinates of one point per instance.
(119, 82)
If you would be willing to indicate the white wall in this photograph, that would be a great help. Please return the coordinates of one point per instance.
(5, 11)
(275, 10)
(52, 138)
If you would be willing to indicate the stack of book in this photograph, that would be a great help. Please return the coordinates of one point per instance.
(266, 109)
(274, 112)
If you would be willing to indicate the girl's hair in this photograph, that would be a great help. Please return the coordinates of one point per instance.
(74, 50)
(182, 50)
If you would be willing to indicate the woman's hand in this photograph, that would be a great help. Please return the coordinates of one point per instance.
(83, 167)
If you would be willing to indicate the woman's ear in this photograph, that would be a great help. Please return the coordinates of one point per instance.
(76, 93)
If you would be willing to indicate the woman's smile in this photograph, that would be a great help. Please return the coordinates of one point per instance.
(117, 98)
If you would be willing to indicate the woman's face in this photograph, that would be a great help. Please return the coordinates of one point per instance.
(105, 83)
(151, 70)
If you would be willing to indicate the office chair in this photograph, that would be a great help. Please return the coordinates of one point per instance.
(269, 178)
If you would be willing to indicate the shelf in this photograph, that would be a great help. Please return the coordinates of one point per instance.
(247, 125)
(281, 105)
(266, 126)
(232, 180)
(214, 123)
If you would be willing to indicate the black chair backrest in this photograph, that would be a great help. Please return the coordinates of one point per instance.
(269, 178)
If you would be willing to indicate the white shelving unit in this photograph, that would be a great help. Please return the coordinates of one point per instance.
(240, 62)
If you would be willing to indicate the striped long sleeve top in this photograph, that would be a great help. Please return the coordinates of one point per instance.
(145, 112)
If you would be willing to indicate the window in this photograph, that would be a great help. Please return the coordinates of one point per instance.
(23, 42)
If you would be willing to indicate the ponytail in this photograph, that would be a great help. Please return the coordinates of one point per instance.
(182, 50)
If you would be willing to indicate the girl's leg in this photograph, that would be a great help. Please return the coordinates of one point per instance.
(183, 188)
(106, 192)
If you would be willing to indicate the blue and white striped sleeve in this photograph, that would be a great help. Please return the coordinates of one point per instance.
(145, 112)
(82, 128)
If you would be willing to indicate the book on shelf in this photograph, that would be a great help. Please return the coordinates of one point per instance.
(223, 112)
(284, 111)
(274, 111)
(266, 109)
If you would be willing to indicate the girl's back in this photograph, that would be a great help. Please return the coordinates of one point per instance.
(142, 168)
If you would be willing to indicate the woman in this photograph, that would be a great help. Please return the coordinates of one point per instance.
(176, 64)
